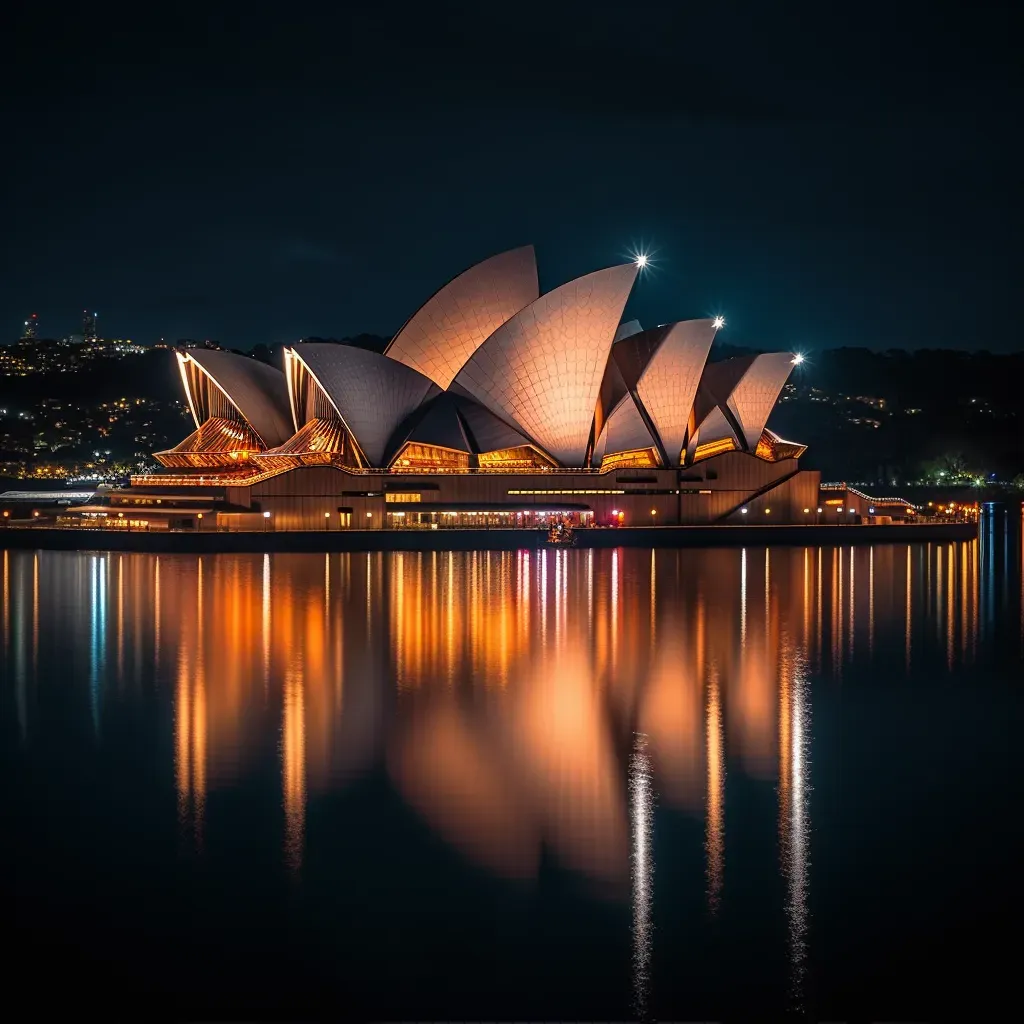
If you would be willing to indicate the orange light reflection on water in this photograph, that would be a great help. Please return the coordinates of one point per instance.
(500, 692)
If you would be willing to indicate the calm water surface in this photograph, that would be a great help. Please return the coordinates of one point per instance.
(534, 785)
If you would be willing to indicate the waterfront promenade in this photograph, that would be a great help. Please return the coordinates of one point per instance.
(495, 539)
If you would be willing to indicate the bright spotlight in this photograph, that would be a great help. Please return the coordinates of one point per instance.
(798, 359)
(641, 260)
(719, 323)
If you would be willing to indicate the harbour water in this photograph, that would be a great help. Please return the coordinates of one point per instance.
(554, 784)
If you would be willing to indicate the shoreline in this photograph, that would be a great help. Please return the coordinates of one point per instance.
(495, 539)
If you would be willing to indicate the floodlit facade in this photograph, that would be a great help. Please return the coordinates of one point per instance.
(493, 404)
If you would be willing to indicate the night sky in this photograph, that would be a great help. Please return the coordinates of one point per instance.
(825, 175)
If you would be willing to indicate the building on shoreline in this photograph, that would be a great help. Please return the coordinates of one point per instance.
(493, 405)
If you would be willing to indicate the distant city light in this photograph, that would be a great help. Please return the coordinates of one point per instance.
(798, 358)
(718, 323)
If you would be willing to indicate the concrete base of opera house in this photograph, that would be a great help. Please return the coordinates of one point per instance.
(494, 539)
(730, 488)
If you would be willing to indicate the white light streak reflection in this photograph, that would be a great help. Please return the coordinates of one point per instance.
(641, 799)
(794, 815)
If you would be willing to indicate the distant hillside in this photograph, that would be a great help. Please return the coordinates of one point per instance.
(151, 375)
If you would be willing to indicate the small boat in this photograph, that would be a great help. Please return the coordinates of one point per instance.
(561, 535)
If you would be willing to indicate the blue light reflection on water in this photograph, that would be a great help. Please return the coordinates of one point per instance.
(98, 565)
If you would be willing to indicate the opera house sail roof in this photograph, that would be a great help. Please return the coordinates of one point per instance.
(227, 385)
(662, 367)
(490, 375)
(371, 394)
(440, 337)
(542, 370)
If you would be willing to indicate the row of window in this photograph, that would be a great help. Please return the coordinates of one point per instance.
(588, 491)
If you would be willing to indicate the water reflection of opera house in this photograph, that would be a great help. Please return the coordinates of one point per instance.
(501, 692)
(492, 405)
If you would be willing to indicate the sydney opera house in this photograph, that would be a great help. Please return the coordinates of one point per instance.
(493, 405)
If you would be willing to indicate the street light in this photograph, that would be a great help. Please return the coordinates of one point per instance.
(266, 519)
(199, 516)
(327, 520)
(654, 512)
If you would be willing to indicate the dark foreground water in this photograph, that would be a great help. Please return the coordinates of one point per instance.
(520, 786)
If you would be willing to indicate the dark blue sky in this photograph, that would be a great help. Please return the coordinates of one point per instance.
(822, 175)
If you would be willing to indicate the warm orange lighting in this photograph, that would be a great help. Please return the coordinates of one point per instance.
(429, 457)
(199, 515)
(773, 448)
(327, 515)
(36, 514)
(640, 458)
(654, 511)
(705, 451)
(523, 457)
(219, 441)
(767, 511)
(369, 515)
